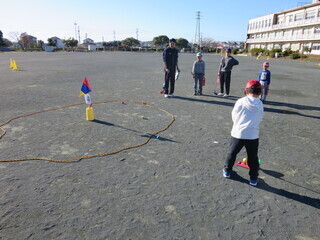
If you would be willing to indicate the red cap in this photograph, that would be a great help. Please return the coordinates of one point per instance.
(253, 84)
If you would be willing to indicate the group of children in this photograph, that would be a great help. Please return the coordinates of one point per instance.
(246, 116)
(198, 73)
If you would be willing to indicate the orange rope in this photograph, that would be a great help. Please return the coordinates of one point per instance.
(86, 156)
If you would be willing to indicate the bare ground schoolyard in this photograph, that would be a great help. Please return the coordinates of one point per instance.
(172, 187)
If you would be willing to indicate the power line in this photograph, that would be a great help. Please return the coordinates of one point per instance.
(75, 29)
(197, 38)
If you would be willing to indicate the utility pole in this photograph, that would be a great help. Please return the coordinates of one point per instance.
(114, 35)
(75, 29)
(137, 32)
(79, 33)
(197, 38)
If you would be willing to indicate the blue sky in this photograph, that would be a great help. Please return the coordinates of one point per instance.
(220, 20)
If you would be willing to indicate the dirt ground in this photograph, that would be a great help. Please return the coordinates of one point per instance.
(172, 187)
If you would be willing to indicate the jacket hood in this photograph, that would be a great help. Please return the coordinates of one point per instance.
(252, 104)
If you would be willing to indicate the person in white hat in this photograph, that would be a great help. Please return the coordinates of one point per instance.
(198, 72)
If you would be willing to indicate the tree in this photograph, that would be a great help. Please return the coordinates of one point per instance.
(209, 43)
(112, 44)
(71, 42)
(131, 42)
(182, 43)
(2, 43)
(24, 40)
(306, 49)
(7, 43)
(40, 44)
(16, 37)
(160, 41)
(52, 42)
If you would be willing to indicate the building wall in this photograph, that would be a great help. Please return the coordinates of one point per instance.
(294, 28)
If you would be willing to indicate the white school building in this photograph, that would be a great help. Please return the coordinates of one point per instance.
(296, 28)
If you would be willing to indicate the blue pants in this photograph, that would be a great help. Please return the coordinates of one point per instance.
(198, 78)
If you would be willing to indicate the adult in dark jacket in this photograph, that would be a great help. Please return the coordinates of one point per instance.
(226, 64)
(170, 62)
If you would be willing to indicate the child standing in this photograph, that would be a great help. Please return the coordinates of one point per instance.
(226, 64)
(198, 72)
(246, 116)
(265, 79)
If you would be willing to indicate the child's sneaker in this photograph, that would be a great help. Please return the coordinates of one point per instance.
(225, 173)
(253, 182)
(220, 94)
(166, 95)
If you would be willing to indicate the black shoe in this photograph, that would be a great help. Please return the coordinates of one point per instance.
(195, 93)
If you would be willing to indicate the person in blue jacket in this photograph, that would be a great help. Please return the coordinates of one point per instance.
(265, 79)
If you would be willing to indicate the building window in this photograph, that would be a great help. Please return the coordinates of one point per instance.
(311, 14)
(317, 30)
(280, 19)
(316, 46)
(298, 17)
(269, 22)
(290, 18)
(307, 31)
(287, 33)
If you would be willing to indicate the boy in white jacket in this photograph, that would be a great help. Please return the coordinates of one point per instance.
(246, 116)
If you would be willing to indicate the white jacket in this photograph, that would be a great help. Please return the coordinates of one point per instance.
(246, 116)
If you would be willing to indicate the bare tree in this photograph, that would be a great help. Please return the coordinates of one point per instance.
(209, 43)
(15, 37)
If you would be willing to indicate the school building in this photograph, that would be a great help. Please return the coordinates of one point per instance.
(296, 28)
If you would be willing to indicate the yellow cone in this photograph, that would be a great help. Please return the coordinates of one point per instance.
(11, 63)
(89, 114)
(268, 57)
(14, 65)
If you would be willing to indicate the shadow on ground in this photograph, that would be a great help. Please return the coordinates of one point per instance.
(266, 109)
(313, 202)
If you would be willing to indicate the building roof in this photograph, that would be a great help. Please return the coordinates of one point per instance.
(299, 8)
